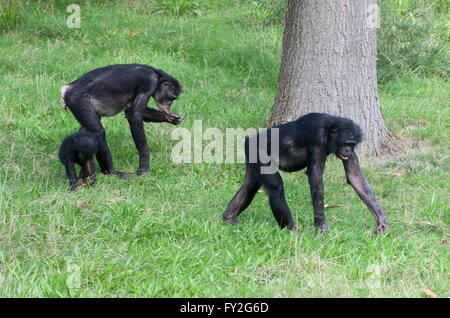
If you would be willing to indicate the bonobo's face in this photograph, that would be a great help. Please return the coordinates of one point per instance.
(344, 139)
(86, 148)
(345, 149)
(165, 94)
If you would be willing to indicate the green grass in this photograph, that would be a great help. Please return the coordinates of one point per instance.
(161, 235)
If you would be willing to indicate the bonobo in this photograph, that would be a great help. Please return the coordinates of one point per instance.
(79, 148)
(303, 143)
(108, 90)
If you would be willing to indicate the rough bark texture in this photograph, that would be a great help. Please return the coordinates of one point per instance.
(329, 65)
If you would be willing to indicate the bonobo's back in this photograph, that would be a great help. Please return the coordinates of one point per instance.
(313, 122)
(128, 73)
(119, 72)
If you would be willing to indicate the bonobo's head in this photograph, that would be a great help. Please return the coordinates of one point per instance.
(85, 145)
(168, 90)
(344, 135)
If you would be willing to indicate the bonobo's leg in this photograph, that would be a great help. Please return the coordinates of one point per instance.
(359, 183)
(242, 198)
(88, 172)
(71, 175)
(135, 116)
(90, 121)
(157, 116)
(316, 165)
(273, 183)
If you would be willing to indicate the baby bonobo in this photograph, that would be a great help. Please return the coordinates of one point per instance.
(303, 143)
(79, 148)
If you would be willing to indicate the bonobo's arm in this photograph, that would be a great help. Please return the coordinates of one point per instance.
(157, 116)
(134, 114)
(316, 165)
(88, 172)
(359, 183)
(71, 175)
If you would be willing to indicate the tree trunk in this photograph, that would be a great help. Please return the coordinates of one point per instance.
(329, 65)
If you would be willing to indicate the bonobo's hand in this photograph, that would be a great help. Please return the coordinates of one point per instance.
(173, 119)
(89, 181)
(141, 171)
(292, 228)
(119, 174)
(322, 228)
(74, 184)
(381, 228)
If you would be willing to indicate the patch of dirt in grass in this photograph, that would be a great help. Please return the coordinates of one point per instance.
(398, 149)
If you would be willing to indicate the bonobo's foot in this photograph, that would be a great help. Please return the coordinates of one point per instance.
(88, 181)
(73, 185)
(230, 220)
(322, 228)
(292, 227)
(142, 171)
(230, 214)
(173, 119)
(119, 174)
(381, 228)
(321, 225)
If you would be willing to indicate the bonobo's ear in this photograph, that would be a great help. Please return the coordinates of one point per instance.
(74, 140)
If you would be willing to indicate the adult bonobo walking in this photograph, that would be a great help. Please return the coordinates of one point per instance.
(303, 143)
(108, 90)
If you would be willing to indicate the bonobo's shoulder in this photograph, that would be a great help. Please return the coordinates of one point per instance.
(313, 121)
(315, 118)
(322, 120)
(65, 148)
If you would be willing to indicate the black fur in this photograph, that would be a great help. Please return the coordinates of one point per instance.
(303, 143)
(79, 148)
(106, 91)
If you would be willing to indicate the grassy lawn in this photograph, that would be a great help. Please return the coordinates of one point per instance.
(161, 235)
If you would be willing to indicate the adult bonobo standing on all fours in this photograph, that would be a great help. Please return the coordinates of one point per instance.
(108, 90)
(303, 143)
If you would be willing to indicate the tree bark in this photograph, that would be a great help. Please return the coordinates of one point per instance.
(329, 65)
